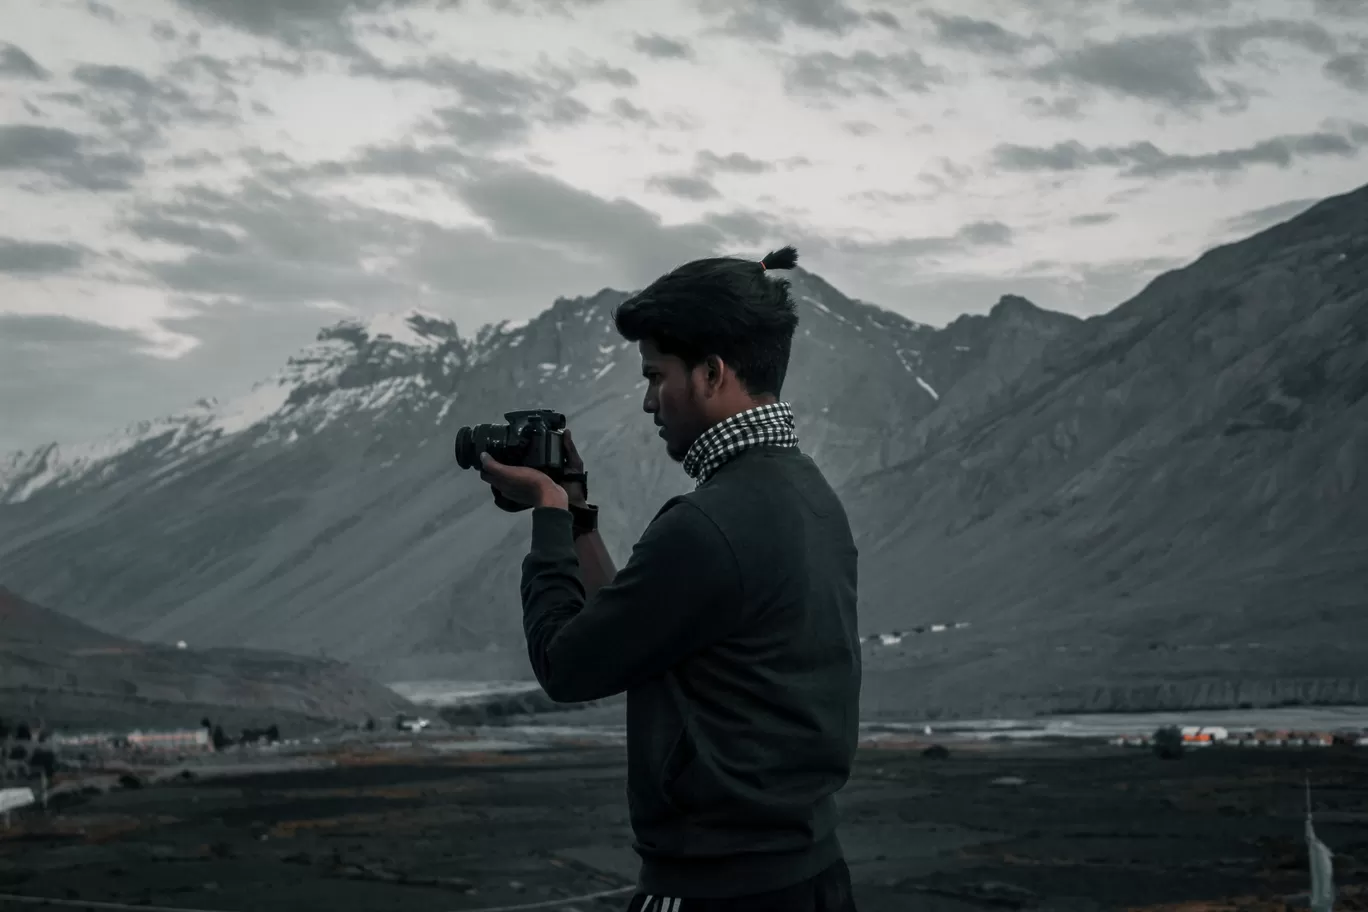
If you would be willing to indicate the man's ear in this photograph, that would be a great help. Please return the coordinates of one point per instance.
(714, 373)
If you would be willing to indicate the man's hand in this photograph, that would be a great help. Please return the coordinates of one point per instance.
(522, 485)
(576, 490)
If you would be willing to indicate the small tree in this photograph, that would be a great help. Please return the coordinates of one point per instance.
(22, 732)
(4, 730)
(220, 738)
(44, 760)
(1168, 743)
(273, 733)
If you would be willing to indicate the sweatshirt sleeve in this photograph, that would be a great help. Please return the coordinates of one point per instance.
(679, 592)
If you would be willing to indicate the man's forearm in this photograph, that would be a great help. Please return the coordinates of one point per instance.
(596, 566)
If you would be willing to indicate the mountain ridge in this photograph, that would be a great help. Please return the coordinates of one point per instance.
(1062, 483)
(69, 674)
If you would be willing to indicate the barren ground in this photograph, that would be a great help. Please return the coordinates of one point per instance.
(1076, 827)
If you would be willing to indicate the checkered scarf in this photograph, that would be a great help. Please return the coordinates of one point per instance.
(764, 425)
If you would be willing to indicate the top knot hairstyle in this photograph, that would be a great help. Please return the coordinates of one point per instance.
(723, 306)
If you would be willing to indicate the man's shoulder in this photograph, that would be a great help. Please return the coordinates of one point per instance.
(685, 514)
(766, 483)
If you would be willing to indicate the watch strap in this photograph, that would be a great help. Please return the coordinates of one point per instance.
(583, 519)
(581, 476)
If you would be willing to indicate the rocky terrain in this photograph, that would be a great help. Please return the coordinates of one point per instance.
(1073, 827)
(1160, 506)
(65, 674)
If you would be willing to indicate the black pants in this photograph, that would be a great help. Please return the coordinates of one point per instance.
(828, 891)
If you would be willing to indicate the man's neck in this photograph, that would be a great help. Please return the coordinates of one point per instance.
(745, 405)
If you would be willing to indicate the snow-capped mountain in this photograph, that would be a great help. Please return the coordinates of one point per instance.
(287, 517)
(1115, 509)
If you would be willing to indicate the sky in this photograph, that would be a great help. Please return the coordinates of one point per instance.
(190, 189)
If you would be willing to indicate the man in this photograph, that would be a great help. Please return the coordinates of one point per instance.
(732, 628)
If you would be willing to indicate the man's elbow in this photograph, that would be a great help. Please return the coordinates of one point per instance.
(572, 688)
(567, 675)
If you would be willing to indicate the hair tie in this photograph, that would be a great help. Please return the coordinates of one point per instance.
(762, 265)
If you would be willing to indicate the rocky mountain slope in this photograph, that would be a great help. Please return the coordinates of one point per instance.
(55, 669)
(325, 513)
(1076, 514)
(1168, 506)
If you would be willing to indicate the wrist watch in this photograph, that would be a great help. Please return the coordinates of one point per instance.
(583, 519)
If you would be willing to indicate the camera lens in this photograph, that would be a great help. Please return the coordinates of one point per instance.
(467, 455)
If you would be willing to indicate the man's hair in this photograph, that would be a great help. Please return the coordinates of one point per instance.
(723, 306)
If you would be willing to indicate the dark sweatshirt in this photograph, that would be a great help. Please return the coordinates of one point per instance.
(732, 629)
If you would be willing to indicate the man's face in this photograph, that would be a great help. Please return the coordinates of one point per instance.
(673, 398)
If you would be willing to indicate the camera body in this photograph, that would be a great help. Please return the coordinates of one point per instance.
(532, 438)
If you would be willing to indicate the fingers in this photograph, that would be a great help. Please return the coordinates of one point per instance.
(491, 470)
(570, 450)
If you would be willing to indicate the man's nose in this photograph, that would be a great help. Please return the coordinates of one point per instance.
(649, 405)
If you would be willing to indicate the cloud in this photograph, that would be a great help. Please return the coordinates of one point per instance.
(734, 162)
(66, 157)
(38, 258)
(564, 8)
(69, 380)
(829, 74)
(117, 78)
(1227, 43)
(483, 129)
(979, 35)
(625, 110)
(1144, 159)
(288, 239)
(16, 63)
(1064, 107)
(103, 11)
(1349, 70)
(974, 234)
(662, 48)
(885, 18)
(618, 76)
(138, 109)
(1173, 67)
(767, 20)
(518, 203)
(1257, 220)
(497, 107)
(1171, 9)
(685, 186)
(1092, 218)
(185, 234)
(298, 23)
(1347, 9)
(1166, 68)
(292, 247)
(57, 374)
(982, 234)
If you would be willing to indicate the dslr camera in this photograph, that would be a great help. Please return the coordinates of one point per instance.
(531, 437)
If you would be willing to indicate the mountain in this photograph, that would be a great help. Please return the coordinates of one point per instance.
(324, 512)
(1167, 507)
(66, 674)
(1109, 513)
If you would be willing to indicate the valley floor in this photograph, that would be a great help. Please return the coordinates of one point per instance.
(1060, 826)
